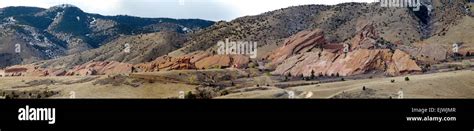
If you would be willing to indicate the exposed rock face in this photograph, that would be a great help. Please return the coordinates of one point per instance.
(294, 57)
(25, 70)
(365, 38)
(59, 72)
(172, 63)
(331, 64)
(169, 63)
(197, 56)
(240, 61)
(197, 60)
(16, 71)
(216, 61)
(301, 42)
(357, 62)
(402, 64)
(223, 61)
(100, 68)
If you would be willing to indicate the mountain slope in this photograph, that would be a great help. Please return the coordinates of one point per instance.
(338, 23)
(65, 29)
(141, 48)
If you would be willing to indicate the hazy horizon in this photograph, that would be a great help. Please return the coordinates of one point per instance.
(214, 10)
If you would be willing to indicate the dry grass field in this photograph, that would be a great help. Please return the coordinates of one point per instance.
(457, 84)
(163, 85)
(84, 87)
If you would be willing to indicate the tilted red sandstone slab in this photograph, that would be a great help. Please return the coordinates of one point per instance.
(331, 64)
(223, 61)
(100, 68)
(402, 64)
(300, 43)
(353, 63)
(197, 60)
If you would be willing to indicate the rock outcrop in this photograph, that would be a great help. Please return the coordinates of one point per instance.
(402, 64)
(364, 56)
(216, 61)
(302, 42)
(196, 60)
(353, 63)
(332, 64)
(165, 63)
(223, 61)
(365, 37)
(100, 68)
(26, 70)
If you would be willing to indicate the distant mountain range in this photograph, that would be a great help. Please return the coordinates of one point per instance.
(65, 29)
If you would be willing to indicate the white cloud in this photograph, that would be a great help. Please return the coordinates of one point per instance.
(204, 9)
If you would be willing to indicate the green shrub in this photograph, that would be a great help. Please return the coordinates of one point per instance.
(252, 65)
(466, 64)
(190, 95)
(268, 74)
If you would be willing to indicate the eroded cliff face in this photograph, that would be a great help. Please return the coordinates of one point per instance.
(299, 43)
(197, 60)
(305, 54)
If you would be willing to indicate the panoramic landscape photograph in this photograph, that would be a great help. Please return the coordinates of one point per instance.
(219, 49)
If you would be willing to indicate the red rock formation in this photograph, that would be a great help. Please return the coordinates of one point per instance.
(216, 61)
(197, 56)
(16, 71)
(59, 72)
(357, 62)
(293, 58)
(300, 43)
(331, 64)
(197, 60)
(334, 47)
(26, 70)
(166, 63)
(365, 38)
(240, 61)
(100, 68)
(402, 64)
(223, 61)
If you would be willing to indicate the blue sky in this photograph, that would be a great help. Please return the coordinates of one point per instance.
(204, 9)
